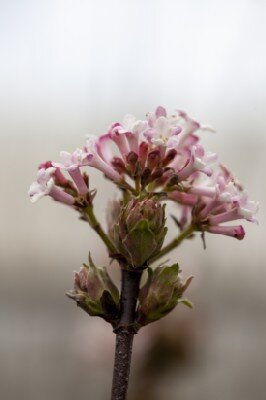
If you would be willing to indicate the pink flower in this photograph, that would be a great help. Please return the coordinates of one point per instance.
(217, 200)
(118, 136)
(72, 163)
(163, 130)
(183, 198)
(198, 161)
(237, 232)
(95, 149)
(132, 129)
(202, 190)
(189, 125)
(59, 178)
(242, 209)
(209, 213)
(45, 185)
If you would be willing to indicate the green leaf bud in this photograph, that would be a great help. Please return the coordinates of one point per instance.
(140, 231)
(162, 292)
(95, 292)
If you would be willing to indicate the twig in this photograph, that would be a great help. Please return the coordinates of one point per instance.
(125, 333)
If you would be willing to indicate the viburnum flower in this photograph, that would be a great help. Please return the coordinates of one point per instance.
(72, 163)
(131, 128)
(99, 157)
(152, 161)
(163, 130)
(45, 185)
(222, 201)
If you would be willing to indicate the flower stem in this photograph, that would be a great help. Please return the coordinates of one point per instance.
(173, 244)
(125, 333)
(96, 226)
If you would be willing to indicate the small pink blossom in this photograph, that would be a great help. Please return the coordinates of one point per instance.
(198, 161)
(132, 129)
(242, 209)
(183, 198)
(94, 148)
(201, 190)
(118, 136)
(72, 162)
(45, 185)
(189, 125)
(59, 178)
(237, 232)
(163, 130)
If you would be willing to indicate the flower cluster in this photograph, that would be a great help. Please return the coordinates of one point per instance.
(151, 161)
(158, 158)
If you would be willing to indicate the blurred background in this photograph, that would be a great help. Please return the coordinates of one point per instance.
(69, 68)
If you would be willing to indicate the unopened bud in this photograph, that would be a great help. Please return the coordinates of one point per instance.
(154, 158)
(169, 157)
(140, 231)
(95, 292)
(145, 177)
(143, 152)
(160, 295)
(157, 174)
(132, 159)
(119, 165)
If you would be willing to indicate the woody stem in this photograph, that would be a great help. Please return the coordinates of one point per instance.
(125, 332)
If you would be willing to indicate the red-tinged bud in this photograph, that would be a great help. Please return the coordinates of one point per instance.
(154, 158)
(132, 159)
(145, 177)
(143, 152)
(157, 174)
(172, 181)
(170, 155)
(119, 165)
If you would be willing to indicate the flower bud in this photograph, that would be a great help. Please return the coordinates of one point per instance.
(161, 293)
(140, 231)
(95, 292)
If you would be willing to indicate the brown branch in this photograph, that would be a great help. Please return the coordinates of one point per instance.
(125, 332)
